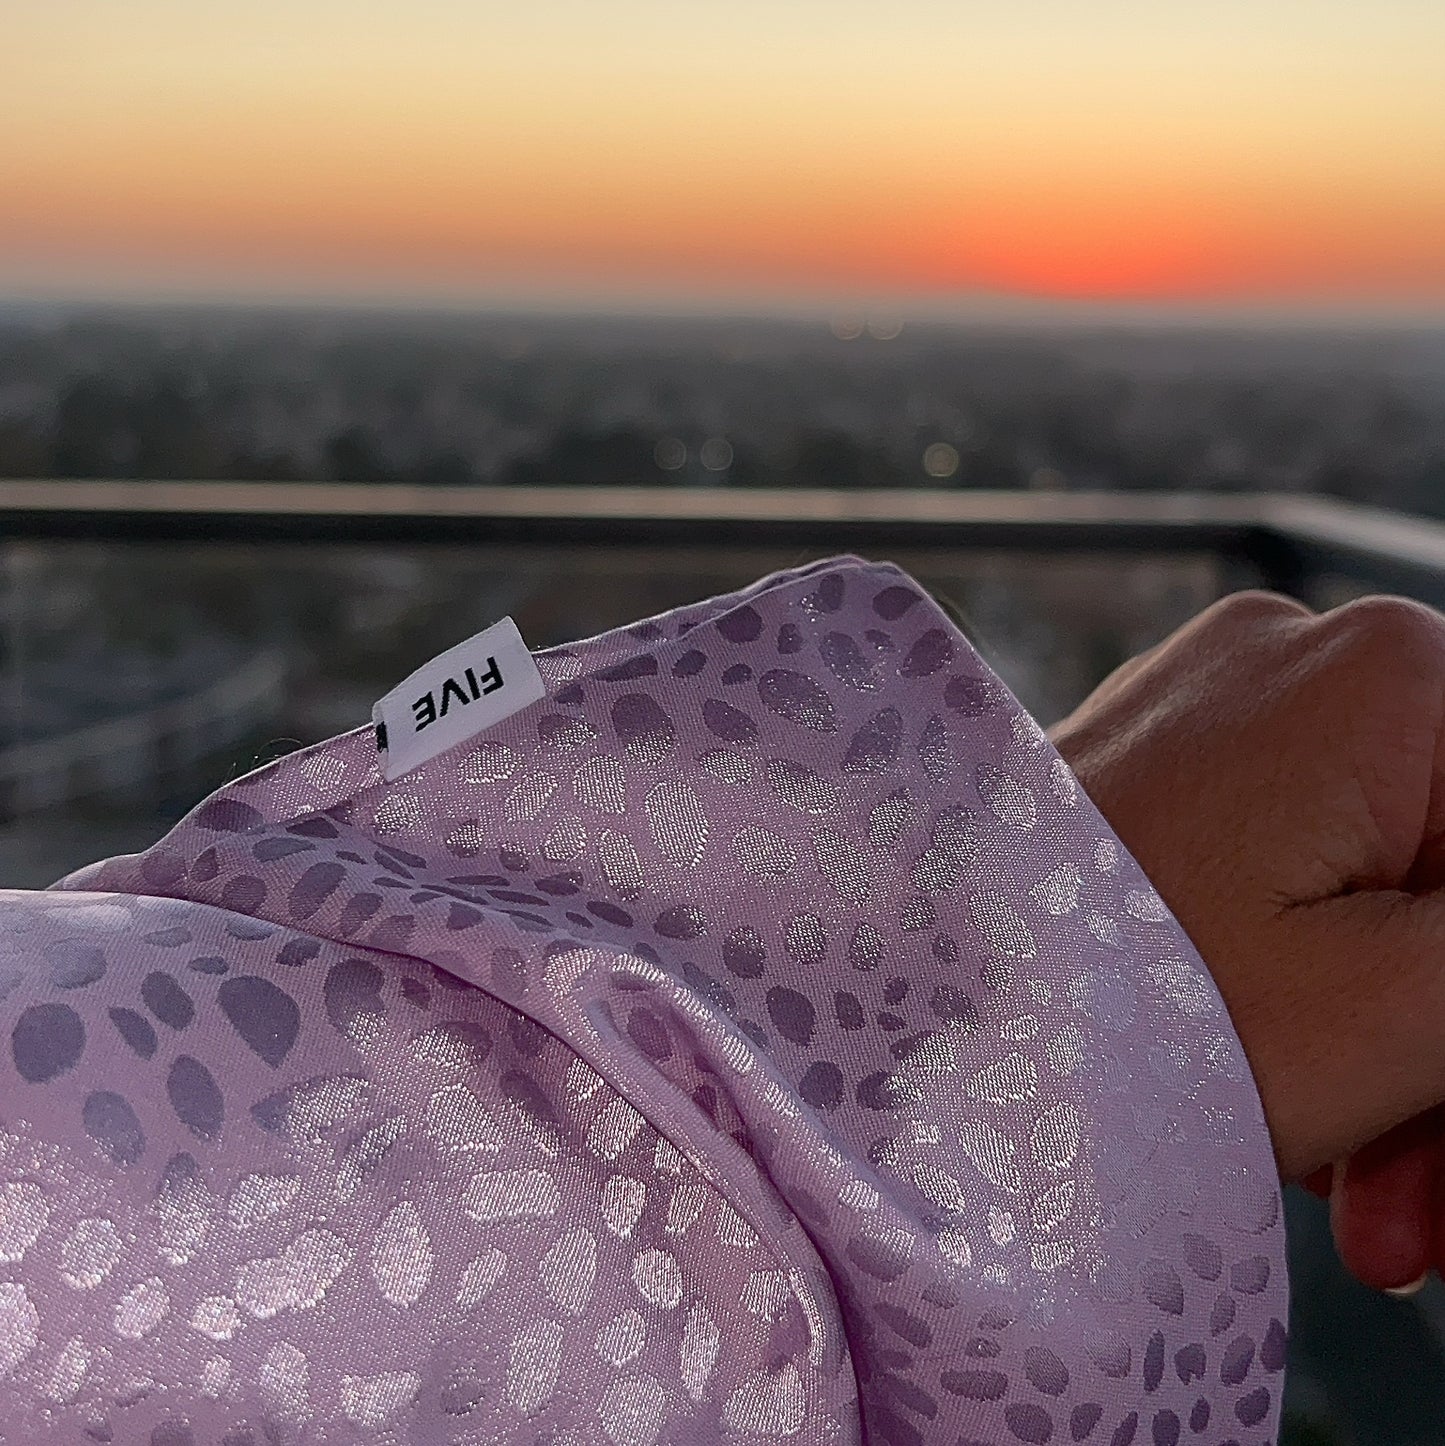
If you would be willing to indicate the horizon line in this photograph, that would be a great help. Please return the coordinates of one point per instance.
(981, 308)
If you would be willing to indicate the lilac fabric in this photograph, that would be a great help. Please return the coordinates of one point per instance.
(760, 1039)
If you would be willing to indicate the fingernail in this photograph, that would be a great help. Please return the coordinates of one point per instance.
(1402, 1292)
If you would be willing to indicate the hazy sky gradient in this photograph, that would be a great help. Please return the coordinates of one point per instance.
(1097, 149)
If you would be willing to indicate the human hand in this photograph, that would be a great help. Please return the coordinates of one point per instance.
(1280, 776)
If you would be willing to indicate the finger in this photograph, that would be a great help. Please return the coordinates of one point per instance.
(1349, 1046)
(1383, 1206)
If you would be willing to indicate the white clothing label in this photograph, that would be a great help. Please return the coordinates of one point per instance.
(454, 697)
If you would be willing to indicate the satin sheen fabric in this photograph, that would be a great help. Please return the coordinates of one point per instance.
(760, 1039)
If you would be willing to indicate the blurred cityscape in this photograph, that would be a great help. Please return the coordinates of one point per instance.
(860, 402)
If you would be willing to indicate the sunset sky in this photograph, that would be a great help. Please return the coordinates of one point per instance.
(1235, 152)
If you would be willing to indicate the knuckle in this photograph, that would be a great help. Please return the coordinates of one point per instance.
(1257, 606)
(1396, 629)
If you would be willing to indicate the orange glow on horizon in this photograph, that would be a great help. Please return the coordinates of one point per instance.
(1122, 162)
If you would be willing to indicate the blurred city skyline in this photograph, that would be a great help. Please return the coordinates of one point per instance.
(1271, 159)
(866, 401)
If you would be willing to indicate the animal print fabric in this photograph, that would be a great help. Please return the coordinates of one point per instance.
(762, 1039)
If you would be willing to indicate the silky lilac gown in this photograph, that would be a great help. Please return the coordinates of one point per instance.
(761, 1039)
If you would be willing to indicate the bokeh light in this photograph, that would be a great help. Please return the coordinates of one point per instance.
(716, 454)
(670, 453)
(940, 459)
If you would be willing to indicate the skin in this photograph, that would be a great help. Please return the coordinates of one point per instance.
(1280, 776)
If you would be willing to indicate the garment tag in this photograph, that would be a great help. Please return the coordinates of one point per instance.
(454, 697)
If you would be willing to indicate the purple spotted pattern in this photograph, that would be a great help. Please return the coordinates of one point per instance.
(761, 1039)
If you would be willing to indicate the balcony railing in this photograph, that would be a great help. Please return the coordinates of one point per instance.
(1287, 540)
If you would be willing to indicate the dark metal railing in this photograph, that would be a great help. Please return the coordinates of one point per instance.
(1286, 540)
